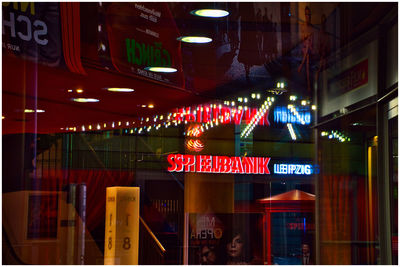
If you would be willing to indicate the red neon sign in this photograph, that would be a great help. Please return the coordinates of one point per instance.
(211, 113)
(217, 164)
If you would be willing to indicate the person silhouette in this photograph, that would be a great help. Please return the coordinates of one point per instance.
(323, 46)
(307, 35)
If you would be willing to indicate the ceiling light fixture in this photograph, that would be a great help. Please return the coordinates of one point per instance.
(79, 91)
(161, 69)
(85, 100)
(116, 89)
(210, 13)
(194, 39)
(150, 106)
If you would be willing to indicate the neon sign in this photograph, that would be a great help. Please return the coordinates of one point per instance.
(239, 165)
(217, 164)
(296, 169)
(213, 113)
(284, 115)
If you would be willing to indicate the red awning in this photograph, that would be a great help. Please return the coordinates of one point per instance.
(294, 195)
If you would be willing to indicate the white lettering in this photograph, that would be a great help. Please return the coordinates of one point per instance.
(297, 169)
(39, 32)
(28, 35)
(9, 23)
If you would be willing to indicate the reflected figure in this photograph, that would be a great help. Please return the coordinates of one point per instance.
(323, 47)
(249, 55)
(208, 255)
(306, 259)
(307, 39)
(259, 28)
(267, 32)
(233, 35)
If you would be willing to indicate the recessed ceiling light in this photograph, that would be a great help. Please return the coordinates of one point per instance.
(85, 100)
(69, 90)
(161, 69)
(194, 39)
(116, 89)
(79, 91)
(151, 106)
(211, 13)
(143, 106)
(33, 111)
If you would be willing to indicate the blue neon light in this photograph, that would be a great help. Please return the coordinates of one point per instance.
(284, 115)
(293, 169)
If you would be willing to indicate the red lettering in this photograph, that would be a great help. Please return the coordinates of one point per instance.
(215, 164)
(206, 164)
(179, 114)
(216, 112)
(248, 164)
(264, 119)
(263, 165)
(236, 165)
(226, 115)
(198, 162)
(251, 112)
(238, 116)
(224, 164)
(199, 115)
(189, 117)
(206, 115)
(179, 164)
(170, 159)
(189, 163)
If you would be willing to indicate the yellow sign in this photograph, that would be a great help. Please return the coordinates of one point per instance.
(121, 244)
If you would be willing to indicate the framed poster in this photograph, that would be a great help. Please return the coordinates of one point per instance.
(225, 239)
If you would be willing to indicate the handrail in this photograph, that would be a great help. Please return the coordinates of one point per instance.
(160, 246)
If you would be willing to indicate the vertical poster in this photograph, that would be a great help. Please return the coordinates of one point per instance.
(31, 30)
(225, 238)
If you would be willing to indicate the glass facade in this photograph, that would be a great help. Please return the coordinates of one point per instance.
(200, 133)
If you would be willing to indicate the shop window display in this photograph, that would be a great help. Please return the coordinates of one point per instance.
(273, 142)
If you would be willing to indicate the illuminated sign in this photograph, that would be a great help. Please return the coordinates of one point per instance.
(240, 165)
(218, 164)
(213, 113)
(293, 169)
(284, 115)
